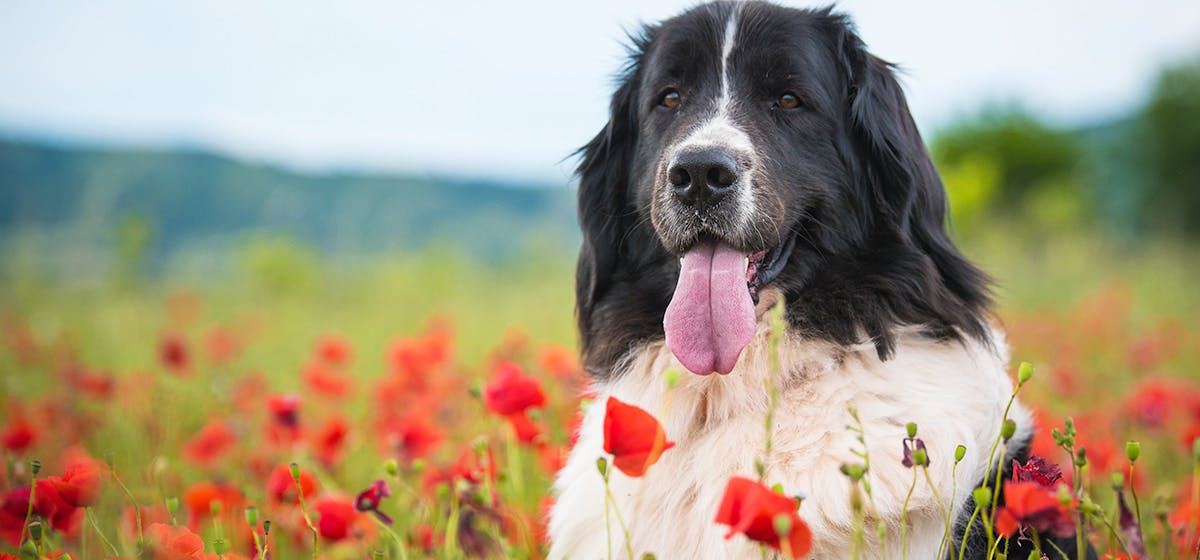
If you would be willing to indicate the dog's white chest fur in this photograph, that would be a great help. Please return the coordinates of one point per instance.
(956, 394)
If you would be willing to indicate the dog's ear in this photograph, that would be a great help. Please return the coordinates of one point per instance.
(903, 183)
(603, 198)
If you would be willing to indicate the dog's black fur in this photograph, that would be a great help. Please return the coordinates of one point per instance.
(851, 182)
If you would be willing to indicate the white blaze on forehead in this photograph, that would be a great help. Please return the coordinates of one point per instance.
(727, 42)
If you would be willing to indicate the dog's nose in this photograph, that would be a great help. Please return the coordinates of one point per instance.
(702, 175)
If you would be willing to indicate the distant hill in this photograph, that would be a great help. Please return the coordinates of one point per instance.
(193, 199)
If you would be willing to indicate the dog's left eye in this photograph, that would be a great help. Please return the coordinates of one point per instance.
(788, 101)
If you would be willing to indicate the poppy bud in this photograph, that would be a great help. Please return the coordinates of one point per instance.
(1081, 457)
(760, 467)
(252, 516)
(959, 452)
(672, 378)
(983, 496)
(35, 466)
(1118, 480)
(220, 546)
(266, 527)
(391, 467)
(648, 556)
(1132, 450)
(783, 525)
(602, 466)
(173, 505)
(29, 550)
(35, 531)
(295, 470)
(1008, 429)
(1024, 372)
(911, 428)
(215, 507)
(1064, 495)
(920, 457)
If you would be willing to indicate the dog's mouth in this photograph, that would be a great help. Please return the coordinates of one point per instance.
(711, 317)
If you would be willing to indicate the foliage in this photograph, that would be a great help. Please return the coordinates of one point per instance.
(1166, 144)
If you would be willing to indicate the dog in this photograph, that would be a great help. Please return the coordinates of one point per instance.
(758, 156)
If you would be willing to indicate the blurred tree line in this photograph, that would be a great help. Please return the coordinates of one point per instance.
(1133, 176)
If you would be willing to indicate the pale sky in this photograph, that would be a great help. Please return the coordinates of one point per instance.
(492, 88)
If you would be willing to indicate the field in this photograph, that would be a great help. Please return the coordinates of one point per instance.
(174, 417)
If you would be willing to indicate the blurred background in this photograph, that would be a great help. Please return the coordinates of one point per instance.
(239, 234)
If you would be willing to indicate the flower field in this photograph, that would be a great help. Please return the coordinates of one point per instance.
(382, 417)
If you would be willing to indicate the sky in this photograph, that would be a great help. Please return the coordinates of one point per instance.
(505, 89)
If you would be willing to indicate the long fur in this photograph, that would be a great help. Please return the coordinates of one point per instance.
(882, 311)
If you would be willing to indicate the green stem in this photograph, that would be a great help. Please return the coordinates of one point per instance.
(1137, 508)
(395, 537)
(941, 506)
(904, 518)
(308, 520)
(28, 509)
(620, 520)
(92, 519)
(962, 547)
(137, 510)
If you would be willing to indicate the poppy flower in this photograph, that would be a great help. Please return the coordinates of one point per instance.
(199, 500)
(330, 440)
(1030, 505)
(511, 391)
(80, 484)
(222, 345)
(281, 487)
(751, 509)
(285, 418)
(559, 361)
(368, 500)
(412, 437)
(18, 435)
(325, 382)
(1036, 469)
(526, 429)
(210, 444)
(333, 350)
(173, 353)
(1150, 404)
(167, 542)
(98, 384)
(634, 438)
(335, 517)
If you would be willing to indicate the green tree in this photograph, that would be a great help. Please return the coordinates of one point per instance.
(1166, 141)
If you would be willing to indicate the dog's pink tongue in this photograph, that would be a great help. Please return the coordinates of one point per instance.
(711, 316)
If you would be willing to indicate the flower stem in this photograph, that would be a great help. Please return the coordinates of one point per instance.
(137, 510)
(904, 520)
(395, 537)
(962, 547)
(941, 506)
(92, 519)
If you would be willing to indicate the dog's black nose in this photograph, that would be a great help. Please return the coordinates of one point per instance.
(702, 175)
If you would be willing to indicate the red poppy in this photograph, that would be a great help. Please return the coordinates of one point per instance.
(634, 438)
(285, 418)
(330, 440)
(80, 484)
(333, 350)
(511, 391)
(18, 435)
(167, 542)
(1150, 404)
(222, 345)
(412, 437)
(173, 353)
(47, 503)
(335, 517)
(750, 508)
(1029, 504)
(559, 361)
(199, 500)
(1038, 470)
(210, 445)
(368, 500)
(526, 429)
(326, 382)
(281, 488)
(98, 384)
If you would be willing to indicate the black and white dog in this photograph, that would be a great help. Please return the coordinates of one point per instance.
(758, 156)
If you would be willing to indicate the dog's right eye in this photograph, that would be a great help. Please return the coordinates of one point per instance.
(670, 98)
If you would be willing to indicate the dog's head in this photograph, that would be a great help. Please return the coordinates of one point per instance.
(753, 146)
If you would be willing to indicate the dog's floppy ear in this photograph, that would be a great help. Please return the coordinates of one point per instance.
(603, 206)
(904, 185)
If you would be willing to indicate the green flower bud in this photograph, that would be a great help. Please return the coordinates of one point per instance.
(417, 466)
(36, 467)
(760, 468)
(783, 525)
(29, 550)
(672, 378)
(295, 468)
(173, 505)
(920, 457)
(266, 527)
(220, 546)
(648, 556)
(983, 496)
(1118, 480)
(391, 467)
(777, 488)
(252, 516)
(959, 453)
(1008, 429)
(35, 531)
(1133, 449)
(1064, 495)
(911, 429)
(854, 472)
(602, 466)
(475, 392)
(1024, 372)
(1081, 457)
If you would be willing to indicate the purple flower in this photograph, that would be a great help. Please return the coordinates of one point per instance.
(368, 500)
(917, 444)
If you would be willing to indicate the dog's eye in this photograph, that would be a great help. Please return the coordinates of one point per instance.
(788, 101)
(670, 98)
